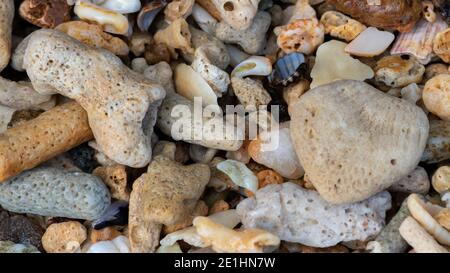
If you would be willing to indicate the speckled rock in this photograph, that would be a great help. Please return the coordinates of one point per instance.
(250, 92)
(120, 103)
(347, 134)
(298, 215)
(252, 40)
(54, 192)
(19, 229)
(6, 15)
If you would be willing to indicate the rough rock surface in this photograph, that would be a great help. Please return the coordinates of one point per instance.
(298, 215)
(354, 141)
(54, 192)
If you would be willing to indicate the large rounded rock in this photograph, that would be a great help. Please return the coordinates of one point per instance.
(354, 141)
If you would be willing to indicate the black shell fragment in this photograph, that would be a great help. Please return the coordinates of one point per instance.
(115, 215)
(288, 69)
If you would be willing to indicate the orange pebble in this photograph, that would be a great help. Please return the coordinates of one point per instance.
(104, 234)
(268, 177)
(219, 205)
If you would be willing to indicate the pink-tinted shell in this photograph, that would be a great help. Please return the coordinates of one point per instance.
(419, 41)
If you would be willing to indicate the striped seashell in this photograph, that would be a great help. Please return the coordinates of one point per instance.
(419, 41)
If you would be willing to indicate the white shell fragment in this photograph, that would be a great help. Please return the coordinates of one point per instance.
(112, 21)
(122, 6)
(119, 244)
(423, 213)
(190, 84)
(418, 238)
(298, 215)
(175, 248)
(253, 66)
(239, 174)
(333, 63)
(228, 218)
(371, 42)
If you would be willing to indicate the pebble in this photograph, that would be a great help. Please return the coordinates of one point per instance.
(45, 14)
(20, 229)
(415, 182)
(302, 216)
(115, 177)
(274, 149)
(10, 247)
(250, 93)
(438, 144)
(441, 179)
(436, 96)
(399, 70)
(340, 26)
(65, 237)
(350, 153)
(166, 194)
(54, 192)
(333, 63)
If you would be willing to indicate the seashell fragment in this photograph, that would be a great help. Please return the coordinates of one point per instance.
(148, 13)
(239, 174)
(253, 66)
(419, 41)
(288, 68)
(190, 84)
(333, 63)
(122, 6)
(424, 213)
(113, 22)
(371, 42)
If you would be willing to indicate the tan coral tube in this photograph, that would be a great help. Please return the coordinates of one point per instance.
(33, 142)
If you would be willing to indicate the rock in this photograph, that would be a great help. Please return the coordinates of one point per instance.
(441, 179)
(399, 70)
(20, 229)
(341, 26)
(115, 177)
(251, 93)
(298, 215)
(399, 15)
(436, 96)
(54, 192)
(281, 156)
(10, 247)
(347, 134)
(252, 40)
(389, 239)
(415, 182)
(438, 143)
(166, 194)
(104, 234)
(65, 237)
